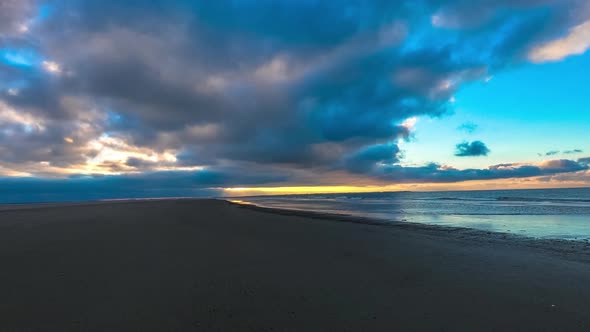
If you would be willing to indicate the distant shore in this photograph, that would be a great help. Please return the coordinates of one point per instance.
(187, 264)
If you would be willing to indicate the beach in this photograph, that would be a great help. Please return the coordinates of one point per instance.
(210, 265)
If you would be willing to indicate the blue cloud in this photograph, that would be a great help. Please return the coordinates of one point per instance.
(473, 149)
(150, 184)
(374, 156)
(437, 173)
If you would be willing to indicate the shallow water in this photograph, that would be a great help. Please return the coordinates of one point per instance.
(547, 213)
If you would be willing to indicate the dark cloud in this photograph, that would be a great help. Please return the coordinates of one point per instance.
(438, 173)
(149, 184)
(460, 14)
(556, 152)
(473, 149)
(28, 190)
(374, 156)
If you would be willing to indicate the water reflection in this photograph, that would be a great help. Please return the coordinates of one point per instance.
(556, 213)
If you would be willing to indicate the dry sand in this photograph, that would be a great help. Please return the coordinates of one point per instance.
(205, 265)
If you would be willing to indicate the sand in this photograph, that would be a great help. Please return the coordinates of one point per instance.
(206, 265)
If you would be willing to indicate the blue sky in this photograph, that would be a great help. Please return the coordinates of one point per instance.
(520, 113)
(161, 98)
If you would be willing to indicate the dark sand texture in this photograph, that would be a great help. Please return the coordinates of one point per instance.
(204, 265)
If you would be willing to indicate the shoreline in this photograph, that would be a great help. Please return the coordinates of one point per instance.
(578, 250)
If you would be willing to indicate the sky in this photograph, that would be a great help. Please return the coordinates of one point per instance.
(119, 99)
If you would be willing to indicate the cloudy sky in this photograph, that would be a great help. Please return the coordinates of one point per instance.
(140, 98)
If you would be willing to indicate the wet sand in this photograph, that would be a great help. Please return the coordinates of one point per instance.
(206, 265)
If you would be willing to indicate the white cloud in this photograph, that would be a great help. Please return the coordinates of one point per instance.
(7, 172)
(114, 149)
(576, 42)
(410, 123)
(275, 70)
(23, 28)
(9, 115)
(52, 67)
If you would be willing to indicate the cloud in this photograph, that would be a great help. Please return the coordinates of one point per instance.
(556, 152)
(305, 92)
(149, 184)
(576, 42)
(464, 14)
(28, 190)
(16, 16)
(364, 160)
(468, 127)
(435, 173)
(211, 182)
(473, 149)
(230, 86)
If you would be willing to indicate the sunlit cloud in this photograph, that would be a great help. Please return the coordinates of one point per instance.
(52, 67)
(410, 123)
(23, 28)
(9, 115)
(576, 42)
(5, 172)
(115, 151)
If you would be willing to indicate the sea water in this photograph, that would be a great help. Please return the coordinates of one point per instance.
(546, 213)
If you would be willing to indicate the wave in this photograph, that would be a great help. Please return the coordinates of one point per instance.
(543, 199)
(511, 199)
(461, 199)
(553, 197)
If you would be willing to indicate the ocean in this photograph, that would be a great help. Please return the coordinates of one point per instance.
(545, 213)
